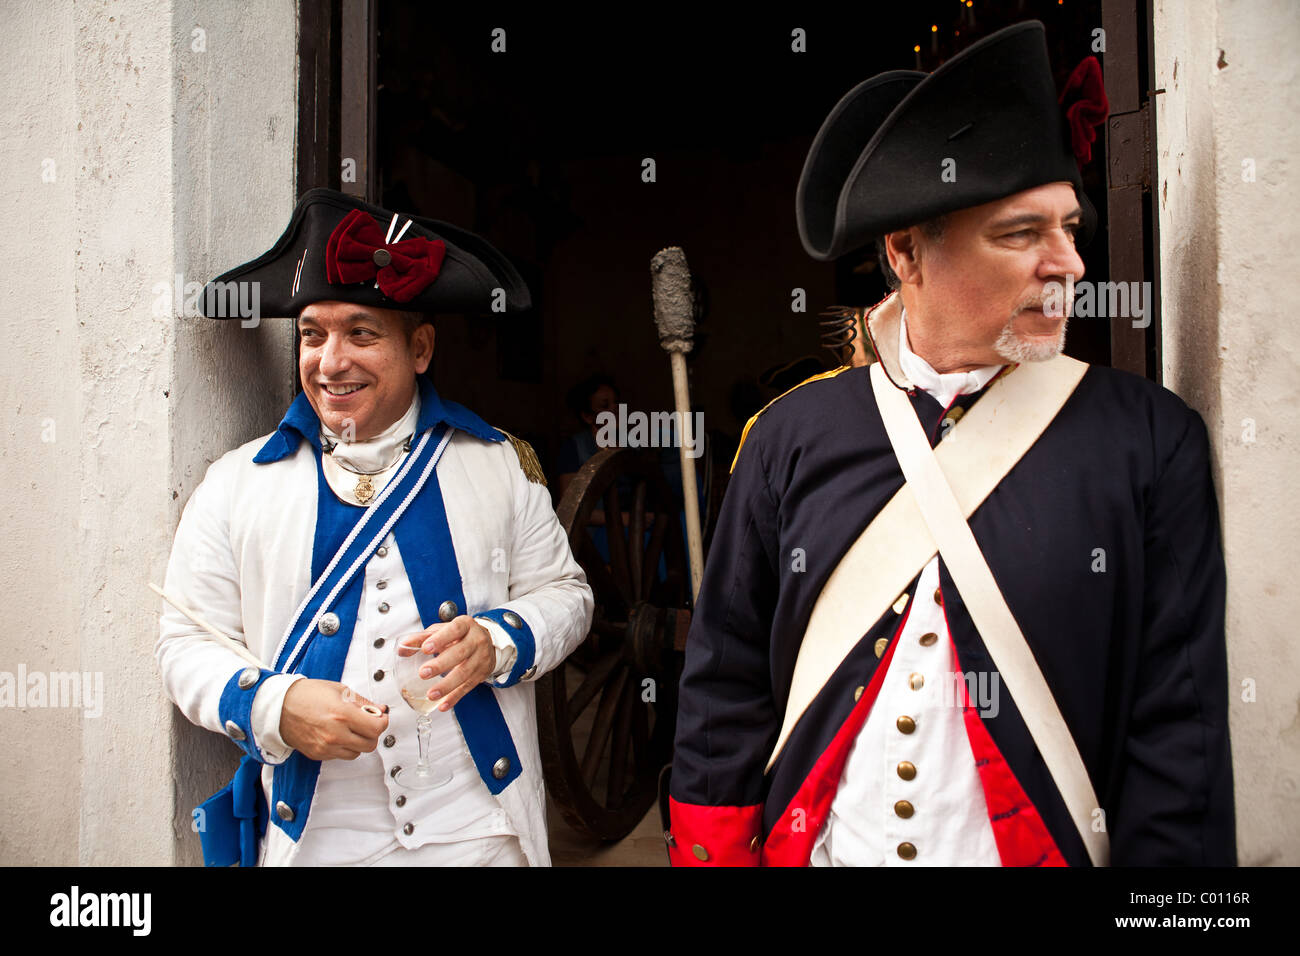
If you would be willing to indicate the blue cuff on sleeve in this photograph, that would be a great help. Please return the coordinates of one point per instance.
(525, 646)
(236, 708)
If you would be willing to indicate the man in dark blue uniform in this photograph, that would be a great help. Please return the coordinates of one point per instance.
(1103, 538)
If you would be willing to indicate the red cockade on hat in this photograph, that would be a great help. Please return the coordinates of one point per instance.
(357, 252)
(1086, 106)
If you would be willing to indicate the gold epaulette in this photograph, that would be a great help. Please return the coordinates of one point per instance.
(527, 459)
(749, 424)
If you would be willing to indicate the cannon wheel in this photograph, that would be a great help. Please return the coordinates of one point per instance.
(606, 715)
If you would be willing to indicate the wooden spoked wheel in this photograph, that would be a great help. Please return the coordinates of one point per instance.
(606, 715)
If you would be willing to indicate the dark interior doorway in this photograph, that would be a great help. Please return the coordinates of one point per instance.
(541, 149)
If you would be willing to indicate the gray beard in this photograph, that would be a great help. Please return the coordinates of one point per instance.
(1013, 349)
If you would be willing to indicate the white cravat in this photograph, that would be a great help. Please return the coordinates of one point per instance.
(948, 823)
(943, 387)
(344, 460)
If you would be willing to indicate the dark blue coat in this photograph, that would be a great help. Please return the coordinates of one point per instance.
(1134, 654)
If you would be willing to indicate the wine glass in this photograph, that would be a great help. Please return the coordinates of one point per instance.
(415, 691)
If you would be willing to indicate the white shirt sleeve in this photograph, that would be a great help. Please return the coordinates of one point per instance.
(268, 705)
(506, 652)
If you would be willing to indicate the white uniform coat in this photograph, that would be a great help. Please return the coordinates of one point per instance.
(242, 558)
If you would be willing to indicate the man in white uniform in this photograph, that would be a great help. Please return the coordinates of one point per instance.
(375, 512)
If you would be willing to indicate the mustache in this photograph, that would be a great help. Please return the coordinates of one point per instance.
(1039, 303)
(1054, 291)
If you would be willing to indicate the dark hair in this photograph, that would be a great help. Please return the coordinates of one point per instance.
(413, 320)
(932, 229)
(579, 397)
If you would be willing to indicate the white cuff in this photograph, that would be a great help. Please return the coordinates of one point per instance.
(506, 651)
(268, 703)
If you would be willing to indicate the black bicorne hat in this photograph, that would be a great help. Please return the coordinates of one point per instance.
(339, 248)
(905, 146)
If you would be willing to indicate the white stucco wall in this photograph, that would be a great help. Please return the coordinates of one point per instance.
(1230, 262)
(40, 784)
(169, 160)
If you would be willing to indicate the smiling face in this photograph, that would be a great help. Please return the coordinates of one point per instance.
(983, 294)
(358, 367)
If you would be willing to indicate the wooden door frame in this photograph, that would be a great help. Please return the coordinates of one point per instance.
(1134, 227)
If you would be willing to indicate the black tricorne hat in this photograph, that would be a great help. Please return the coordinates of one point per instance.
(989, 118)
(339, 248)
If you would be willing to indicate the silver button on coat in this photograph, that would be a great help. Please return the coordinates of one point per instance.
(447, 610)
(284, 811)
(328, 624)
(511, 618)
(234, 730)
(501, 768)
(248, 677)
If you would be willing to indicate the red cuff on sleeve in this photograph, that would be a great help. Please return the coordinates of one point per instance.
(714, 836)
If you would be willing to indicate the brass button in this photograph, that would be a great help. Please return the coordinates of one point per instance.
(284, 811)
(754, 844)
(379, 675)
(906, 724)
(235, 731)
(401, 800)
(907, 770)
(938, 596)
(383, 607)
(409, 829)
(881, 646)
(901, 604)
(501, 768)
(389, 740)
(669, 838)
(379, 642)
(447, 610)
(928, 639)
(916, 681)
(382, 552)
(328, 624)
(381, 258)
(248, 677)
(955, 413)
(907, 851)
(381, 584)
(701, 854)
(513, 619)
(904, 809)
(857, 694)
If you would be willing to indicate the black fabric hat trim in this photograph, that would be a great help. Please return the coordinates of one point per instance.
(876, 165)
(291, 275)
